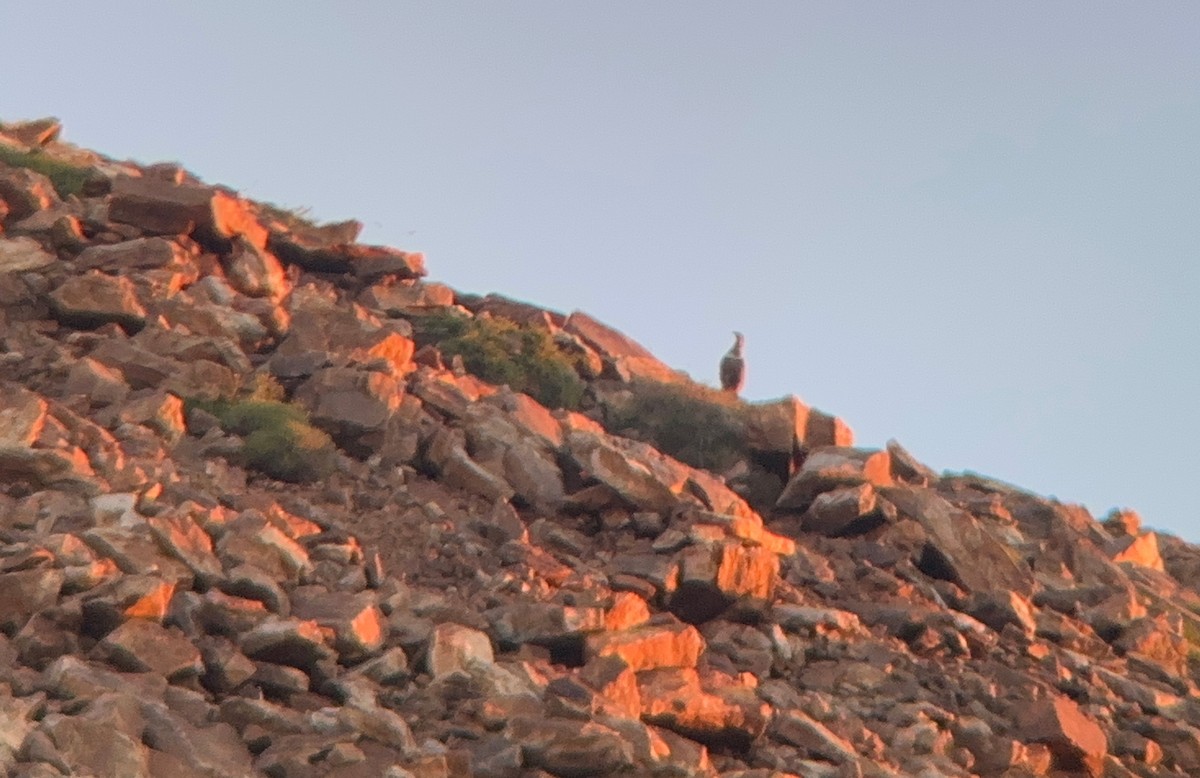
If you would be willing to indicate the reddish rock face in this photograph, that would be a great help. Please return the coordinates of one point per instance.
(1076, 741)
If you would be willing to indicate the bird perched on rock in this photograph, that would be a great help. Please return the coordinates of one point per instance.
(733, 366)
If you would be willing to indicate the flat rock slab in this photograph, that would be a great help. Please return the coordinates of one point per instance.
(21, 255)
(95, 299)
(650, 647)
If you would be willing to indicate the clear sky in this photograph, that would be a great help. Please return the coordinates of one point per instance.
(973, 227)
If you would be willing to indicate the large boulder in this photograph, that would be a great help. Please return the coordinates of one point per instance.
(162, 207)
(21, 255)
(624, 358)
(94, 299)
(826, 469)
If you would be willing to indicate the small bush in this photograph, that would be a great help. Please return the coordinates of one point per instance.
(68, 179)
(277, 439)
(694, 424)
(502, 352)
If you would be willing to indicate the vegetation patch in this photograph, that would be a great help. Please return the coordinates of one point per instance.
(277, 438)
(68, 179)
(502, 352)
(695, 424)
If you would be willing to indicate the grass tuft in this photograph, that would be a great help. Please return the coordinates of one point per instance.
(502, 352)
(68, 179)
(695, 424)
(277, 438)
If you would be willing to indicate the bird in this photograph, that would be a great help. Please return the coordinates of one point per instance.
(733, 366)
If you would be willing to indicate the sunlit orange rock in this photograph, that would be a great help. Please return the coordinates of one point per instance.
(650, 646)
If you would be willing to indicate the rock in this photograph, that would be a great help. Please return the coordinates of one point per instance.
(126, 597)
(352, 405)
(211, 748)
(140, 646)
(225, 668)
(131, 255)
(69, 677)
(37, 132)
(24, 593)
(544, 623)
(25, 192)
(850, 511)
(455, 648)
(101, 385)
(255, 272)
(1137, 549)
(94, 299)
(357, 624)
(617, 464)
(182, 537)
(796, 728)
(91, 745)
(960, 548)
(162, 207)
(406, 298)
(572, 752)
(160, 411)
(649, 647)
(1076, 741)
(21, 255)
(141, 369)
(712, 578)
(726, 717)
(998, 608)
(448, 456)
(290, 642)
(390, 668)
(906, 467)
(266, 547)
(623, 358)
(827, 469)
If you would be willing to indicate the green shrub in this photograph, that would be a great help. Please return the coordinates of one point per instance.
(277, 439)
(694, 424)
(68, 179)
(503, 352)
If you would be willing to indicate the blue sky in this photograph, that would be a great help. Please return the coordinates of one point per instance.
(969, 226)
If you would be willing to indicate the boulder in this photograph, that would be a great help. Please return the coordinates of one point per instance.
(623, 358)
(960, 548)
(714, 577)
(290, 642)
(22, 255)
(91, 300)
(356, 622)
(1137, 549)
(131, 255)
(141, 646)
(368, 263)
(352, 405)
(849, 511)
(456, 648)
(831, 468)
(724, 717)
(160, 207)
(25, 192)
(627, 468)
(650, 646)
(255, 272)
(1075, 740)
(406, 298)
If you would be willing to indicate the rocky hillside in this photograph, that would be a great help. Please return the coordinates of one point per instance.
(271, 503)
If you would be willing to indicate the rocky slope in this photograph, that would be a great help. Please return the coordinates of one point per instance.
(459, 581)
